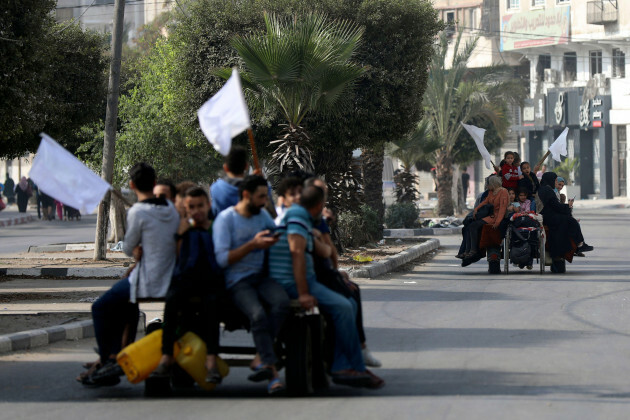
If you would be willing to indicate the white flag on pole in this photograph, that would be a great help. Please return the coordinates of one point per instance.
(559, 147)
(477, 134)
(225, 115)
(63, 177)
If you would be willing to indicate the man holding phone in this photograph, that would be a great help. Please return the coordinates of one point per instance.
(241, 234)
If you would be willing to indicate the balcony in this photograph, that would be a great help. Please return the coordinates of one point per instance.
(601, 12)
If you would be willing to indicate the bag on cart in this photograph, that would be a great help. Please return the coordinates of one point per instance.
(524, 241)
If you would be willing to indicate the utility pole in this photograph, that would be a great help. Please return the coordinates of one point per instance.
(109, 145)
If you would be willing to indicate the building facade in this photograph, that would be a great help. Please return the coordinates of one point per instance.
(98, 15)
(577, 53)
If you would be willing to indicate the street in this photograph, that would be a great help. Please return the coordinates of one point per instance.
(456, 343)
(15, 239)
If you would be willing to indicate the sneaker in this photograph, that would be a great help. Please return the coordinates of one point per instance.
(585, 248)
(369, 359)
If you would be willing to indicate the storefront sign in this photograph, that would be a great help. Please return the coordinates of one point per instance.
(535, 28)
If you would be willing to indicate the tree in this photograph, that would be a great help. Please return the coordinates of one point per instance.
(298, 67)
(454, 93)
(396, 49)
(52, 77)
(410, 150)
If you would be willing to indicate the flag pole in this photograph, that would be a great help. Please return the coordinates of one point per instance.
(250, 133)
(537, 167)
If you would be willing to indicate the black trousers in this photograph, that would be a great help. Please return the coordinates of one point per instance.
(185, 311)
(474, 235)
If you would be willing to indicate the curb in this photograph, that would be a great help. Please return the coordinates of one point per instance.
(25, 340)
(384, 266)
(77, 272)
(66, 247)
(412, 233)
(20, 220)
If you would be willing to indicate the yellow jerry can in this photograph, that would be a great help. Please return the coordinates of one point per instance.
(190, 353)
(141, 358)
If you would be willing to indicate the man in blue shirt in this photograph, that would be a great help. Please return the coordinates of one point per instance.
(241, 234)
(291, 265)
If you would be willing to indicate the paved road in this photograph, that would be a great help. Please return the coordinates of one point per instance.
(456, 344)
(15, 239)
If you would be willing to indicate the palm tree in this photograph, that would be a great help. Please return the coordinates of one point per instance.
(455, 94)
(297, 67)
(416, 147)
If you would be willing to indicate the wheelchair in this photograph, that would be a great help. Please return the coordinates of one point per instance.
(524, 242)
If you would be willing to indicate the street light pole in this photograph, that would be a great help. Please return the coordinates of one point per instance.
(109, 144)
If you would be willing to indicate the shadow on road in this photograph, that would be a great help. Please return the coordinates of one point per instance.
(427, 339)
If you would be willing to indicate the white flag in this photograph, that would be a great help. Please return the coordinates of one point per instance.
(225, 115)
(63, 177)
(477, 134)
(559, 147)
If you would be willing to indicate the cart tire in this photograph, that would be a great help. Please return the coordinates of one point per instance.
(506, 251)
(299, 362)
(541, 252)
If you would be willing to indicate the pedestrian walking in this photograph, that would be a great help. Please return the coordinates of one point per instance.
(465, 182)
(59, 206)
(23, 193)
(9, 190)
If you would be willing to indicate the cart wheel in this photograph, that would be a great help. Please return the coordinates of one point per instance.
(541, 252)
(506, 252)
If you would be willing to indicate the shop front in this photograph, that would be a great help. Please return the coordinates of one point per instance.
(589, 140)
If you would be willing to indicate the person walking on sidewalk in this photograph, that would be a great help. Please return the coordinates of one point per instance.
(23, 193)
(9, 187)
(150, 238)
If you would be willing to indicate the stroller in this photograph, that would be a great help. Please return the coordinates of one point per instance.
(524, 242)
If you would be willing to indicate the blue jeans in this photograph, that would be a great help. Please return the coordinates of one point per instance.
(111, 314)
(247, 295)
(343, 311)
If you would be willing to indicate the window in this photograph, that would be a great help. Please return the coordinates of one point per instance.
(596, 62)
(619, 63)
(538, 3)
(450, 23)
(544, 62)
(563, 1)
(472, 21)
(570, 66)
(513, 4)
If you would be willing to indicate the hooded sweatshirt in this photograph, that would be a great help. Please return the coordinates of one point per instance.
(153, 224)
(224, 193)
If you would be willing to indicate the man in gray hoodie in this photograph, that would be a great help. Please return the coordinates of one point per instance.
(150, 238)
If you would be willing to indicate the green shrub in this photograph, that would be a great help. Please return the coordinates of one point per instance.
(402, 215)
(356, 229)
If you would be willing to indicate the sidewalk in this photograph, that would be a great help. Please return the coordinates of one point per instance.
(10, 216)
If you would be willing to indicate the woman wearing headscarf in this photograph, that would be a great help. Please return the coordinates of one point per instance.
(557, 216)
(22, 193)
(498, 198)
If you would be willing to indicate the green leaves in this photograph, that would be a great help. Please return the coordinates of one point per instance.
(300, 65)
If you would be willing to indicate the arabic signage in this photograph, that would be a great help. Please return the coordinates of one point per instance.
(535, 28)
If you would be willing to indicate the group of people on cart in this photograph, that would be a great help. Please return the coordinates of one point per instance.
(514, 192)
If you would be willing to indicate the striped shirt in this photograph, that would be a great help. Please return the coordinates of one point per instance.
(297, 220)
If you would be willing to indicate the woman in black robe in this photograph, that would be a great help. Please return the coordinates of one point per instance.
(557, 216)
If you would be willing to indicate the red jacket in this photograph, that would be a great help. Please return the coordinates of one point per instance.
(509, 176)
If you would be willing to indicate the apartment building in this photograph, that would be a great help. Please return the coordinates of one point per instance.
(577, 52)
(98, 15)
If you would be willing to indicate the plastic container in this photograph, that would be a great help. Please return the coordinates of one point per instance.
(192, 358)
(141, 358)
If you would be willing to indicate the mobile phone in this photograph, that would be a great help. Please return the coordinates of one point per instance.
(276, 234)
